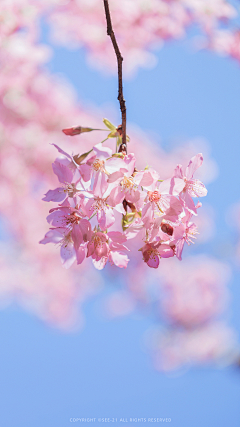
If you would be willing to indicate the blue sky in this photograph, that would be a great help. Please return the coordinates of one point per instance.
(48, 377)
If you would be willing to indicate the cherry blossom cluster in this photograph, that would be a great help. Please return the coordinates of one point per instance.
(140, 26)
(188, 299)
(34, 104)
(175, 348)
(98, 184)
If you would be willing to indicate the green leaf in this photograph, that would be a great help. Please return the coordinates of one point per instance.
(113, 134)
(128, 219)
(78, 158)
(118, 155)
(109, 125)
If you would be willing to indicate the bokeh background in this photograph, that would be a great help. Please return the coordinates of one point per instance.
(136, 343)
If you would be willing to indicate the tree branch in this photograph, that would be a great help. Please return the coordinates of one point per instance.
(110, 33)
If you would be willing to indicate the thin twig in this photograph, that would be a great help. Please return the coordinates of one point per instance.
(110, 33)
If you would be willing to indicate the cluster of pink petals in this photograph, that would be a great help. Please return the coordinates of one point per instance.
(19, 14)
(188, 299)
(175, 349)
(225, 42)
(187, 294)
(103, 184)
(139, 25)
(38, 286)
(233, 220)
(34, 106)
(194, 293)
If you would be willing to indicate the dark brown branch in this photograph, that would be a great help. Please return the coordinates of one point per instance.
(110, 33)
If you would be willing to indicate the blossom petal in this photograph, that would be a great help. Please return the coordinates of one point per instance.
(63, 173)
(68, 255)
(178, 172)
(116, 176)
(115, 164)
(80, 253)
(130, 161)
(119, 208)
(153, 261)
(120, 260)
(86, 172)
(100, 264)
(196, 188)
(105, 218)
(148, 214)
(165, 251)
(88, 208)
(58, 217)
(57, 195)
(101, 250)
(116, 196)
(90, 249)
(133, 231)
(62, 152)
(172, 186)
(132, 196)
(117, 236)
(77, 236)
(101, 152)
(53, 236)
(147, 179)
(100, 184)
(86, 229)
(193, 165)
(188, 202)
(174, 210)
(179, 248)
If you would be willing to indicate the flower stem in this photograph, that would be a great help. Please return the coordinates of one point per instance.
(121, 99)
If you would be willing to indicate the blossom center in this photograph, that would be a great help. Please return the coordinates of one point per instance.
(152, 253)
(98, 165)
(154, 196)
(97, 241)
(194, 187)
(73, 218)
(70, 189)
(66, 240)
(190, 234)
(99, 204)
(167, 228)
(127, 183)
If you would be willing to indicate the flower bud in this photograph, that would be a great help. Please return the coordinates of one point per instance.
(78, 158)
(76, 130)
(167, 228)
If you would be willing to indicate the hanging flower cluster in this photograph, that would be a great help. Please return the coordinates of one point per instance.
(96, 185)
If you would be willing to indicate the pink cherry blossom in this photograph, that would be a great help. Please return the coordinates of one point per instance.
(125, 186)
(105, 215)
(174, 349)
(183, 233)
(35, 106)
(147, 203)
(193, 187)
(160, 205)
(152, 251)
(64, 238)
(103, 247)
(140, 26)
